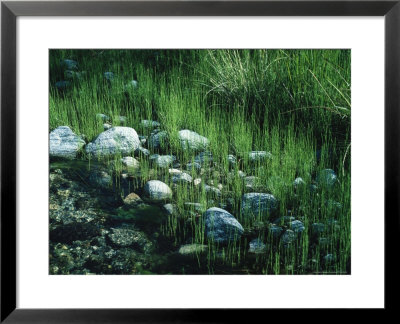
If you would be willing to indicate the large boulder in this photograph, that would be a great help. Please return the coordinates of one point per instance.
(221, 226)
(64, 143)
(192, 140)
(258, 204)
(157, 191)
(116, 140)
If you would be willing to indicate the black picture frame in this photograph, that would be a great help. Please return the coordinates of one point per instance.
(10, 10)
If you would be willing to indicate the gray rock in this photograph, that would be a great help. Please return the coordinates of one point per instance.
(170, 209)
(288, 237)
(231, 160)
(181, 178)
(69, 64)
(158, 140)
(192, 140)
(132, 200)
(297, 226)
(327, 178)
(149, 123)
(116, 140)
(142, 151)
(124, 236)
(130, 162)
(221, 226)
(157, 191)
(193, 166)
(255, 204)
(162, 161)
(131, 85)
(106, 126)
(257, 246)
(275, 231)
(212, 190)
(204, 158)
(298, 182)
(64, 143)
(256, 156)
(102, 179)
(284, 220)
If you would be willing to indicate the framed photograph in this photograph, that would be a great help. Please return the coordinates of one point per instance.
(163, 158)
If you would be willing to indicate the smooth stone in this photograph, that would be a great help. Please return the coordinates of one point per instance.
(212, 190)
(170, 208)
(221, 226)
(181, 178)
(132, 200)
(192, 140)
(162, 161)
(130, 162)
(116, 140)
(65, 143)
(157, 191)
(106, 126)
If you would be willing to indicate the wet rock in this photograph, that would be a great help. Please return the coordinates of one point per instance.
(149, 123)
(327, 178)
(69, 233)
(64, 143)
(116, 140)
(157, 191)
(191, 140)
(257, 246)
(255, 204)
(257, 156)
(221, 226)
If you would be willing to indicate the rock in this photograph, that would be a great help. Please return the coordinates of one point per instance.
(288, 237)
(72, 75)
(103, 117)
(131, 85)
(106, 126)
(132, 200)
(231, 160)
(142, 151)
(329, 258)
(157, 191)
(284, 220)
(318, 228)
(327, 178)
(122, 120)
(162, 161)
(130, 162)
(170, 209)
(195, 206)
(197, 181)
(298, 182)
(192, 140)
(275, 231)
(158, 140)
(116, 140)
(62, 85)
(257, 246)
(204, 158)
(64, 143)
(251, 182)
(69, 64)
(109, 76)
(221, 226)
(149, 123)
(212, 190)
(255, 204)
(297, 226)
(193, 166)
(125, 236)
(102, 179)
(192, 249)
(181, 178)
(256, 156)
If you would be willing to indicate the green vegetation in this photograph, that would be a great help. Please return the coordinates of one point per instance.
(294, 104)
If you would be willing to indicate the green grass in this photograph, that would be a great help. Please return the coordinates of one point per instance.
(288, 102)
